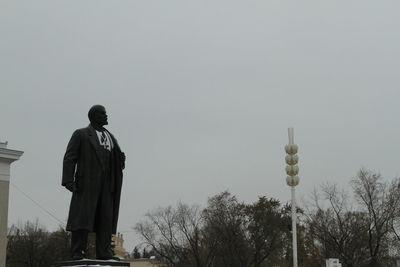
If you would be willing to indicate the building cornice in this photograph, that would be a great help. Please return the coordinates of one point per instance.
(10, 155)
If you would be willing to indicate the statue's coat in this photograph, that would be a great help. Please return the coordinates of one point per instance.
(82, 165)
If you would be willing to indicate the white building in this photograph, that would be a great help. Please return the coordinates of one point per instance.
(119, 249)
(144, 263)
(333, 263)
(7, 156)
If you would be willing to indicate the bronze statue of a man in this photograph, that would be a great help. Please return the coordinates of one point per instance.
(92, 171)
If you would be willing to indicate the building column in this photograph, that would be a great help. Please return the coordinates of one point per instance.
(7, 156)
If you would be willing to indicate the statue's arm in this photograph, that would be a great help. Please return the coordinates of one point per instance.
(123, 158)
(121, 155)
(70, 159)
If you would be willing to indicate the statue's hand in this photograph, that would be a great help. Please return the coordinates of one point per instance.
(123, 157)
(71, 187)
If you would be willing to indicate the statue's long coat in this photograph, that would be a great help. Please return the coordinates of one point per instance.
(82, 164)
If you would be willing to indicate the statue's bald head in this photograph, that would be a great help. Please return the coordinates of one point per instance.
(97, 115)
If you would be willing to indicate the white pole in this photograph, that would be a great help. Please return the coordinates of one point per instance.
(291, 136)
(294, 228)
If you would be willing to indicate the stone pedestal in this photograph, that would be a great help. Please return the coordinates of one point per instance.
(7, 156)
(89, 262)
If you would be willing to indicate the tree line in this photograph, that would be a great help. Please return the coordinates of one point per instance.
(360, 227)
(31, 245)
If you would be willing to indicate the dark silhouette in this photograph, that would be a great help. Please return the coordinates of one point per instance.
(92, 171)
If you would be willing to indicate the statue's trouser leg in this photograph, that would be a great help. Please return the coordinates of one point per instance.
(79, 242)
(104, 222)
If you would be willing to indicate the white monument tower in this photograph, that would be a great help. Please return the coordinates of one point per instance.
(7, 156)
(292, 180)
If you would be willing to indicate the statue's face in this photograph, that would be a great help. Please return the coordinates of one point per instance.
(100, 116)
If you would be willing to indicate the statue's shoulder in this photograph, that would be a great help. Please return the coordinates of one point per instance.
(82, 131)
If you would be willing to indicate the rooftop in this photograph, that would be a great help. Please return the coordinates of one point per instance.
(3, 144)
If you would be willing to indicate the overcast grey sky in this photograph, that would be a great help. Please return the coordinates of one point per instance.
(200, 95)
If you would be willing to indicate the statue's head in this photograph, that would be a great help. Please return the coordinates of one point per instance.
(97, 115)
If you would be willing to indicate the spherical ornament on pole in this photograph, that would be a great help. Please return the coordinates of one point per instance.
(292, 170)
(291, 149)
(291, 159)
(292, 180)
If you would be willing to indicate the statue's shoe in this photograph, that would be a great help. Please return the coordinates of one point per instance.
(77, 257)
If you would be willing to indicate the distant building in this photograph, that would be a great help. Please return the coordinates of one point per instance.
(119, 249)
(333, 263)
(145, 263)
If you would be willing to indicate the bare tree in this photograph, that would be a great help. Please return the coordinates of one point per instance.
(338, 231)
(31, 245)
(225, 224)
(380, 200)
(176, 235)
(363, 234)
(225, 233)
(267, 230)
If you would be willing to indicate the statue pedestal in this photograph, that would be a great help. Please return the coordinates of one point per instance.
(89, 262)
